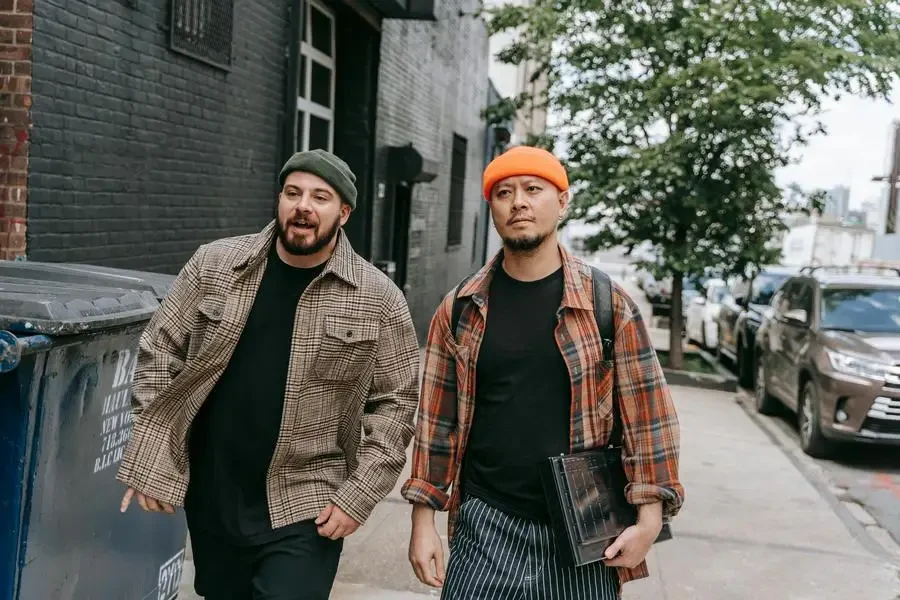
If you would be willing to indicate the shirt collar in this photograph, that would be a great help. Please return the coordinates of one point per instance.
(575, 293)
(342, 262)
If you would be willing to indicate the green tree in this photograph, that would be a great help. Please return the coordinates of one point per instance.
(675, 114)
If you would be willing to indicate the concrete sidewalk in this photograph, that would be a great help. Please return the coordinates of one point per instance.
(752, 527)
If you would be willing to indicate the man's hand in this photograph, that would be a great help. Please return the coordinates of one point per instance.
(426, 551)
(633, 545)
(334, 523)
(146, 502)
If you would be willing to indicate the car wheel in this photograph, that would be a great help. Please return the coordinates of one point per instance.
(745, 368)
(766, 404)
(812, 441)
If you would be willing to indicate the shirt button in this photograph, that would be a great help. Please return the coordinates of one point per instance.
(349, 334)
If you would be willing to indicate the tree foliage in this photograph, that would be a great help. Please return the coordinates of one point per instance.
(675, 114)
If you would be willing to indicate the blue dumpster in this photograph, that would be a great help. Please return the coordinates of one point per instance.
(68, 347)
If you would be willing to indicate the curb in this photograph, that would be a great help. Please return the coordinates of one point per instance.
(856, 518)
(722, 380)
(699, 380)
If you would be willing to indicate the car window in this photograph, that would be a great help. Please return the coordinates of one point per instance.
(739, 289)
(764, 287)
(800, 297)
(781, 300)
(868, 310)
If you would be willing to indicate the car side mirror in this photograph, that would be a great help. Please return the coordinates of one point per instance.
(798, 315)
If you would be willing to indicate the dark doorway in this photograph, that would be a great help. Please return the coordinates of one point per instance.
(400, 250)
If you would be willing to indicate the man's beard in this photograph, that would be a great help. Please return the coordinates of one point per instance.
(527, 243)
(305, 249)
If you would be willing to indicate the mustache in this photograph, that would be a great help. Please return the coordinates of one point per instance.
(302, 221)
(518, 217)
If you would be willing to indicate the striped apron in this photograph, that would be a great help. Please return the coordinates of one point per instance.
(497, 556)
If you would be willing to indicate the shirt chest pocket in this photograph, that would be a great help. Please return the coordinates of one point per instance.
(348, 347)
(206, 322)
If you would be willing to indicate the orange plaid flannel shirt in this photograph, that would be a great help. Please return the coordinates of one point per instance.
(651, 435)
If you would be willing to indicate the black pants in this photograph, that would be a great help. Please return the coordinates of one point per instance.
(298, 566)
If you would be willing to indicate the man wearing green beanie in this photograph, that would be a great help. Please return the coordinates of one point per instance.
(255, 378)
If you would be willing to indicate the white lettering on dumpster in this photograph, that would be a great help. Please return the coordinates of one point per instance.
(170, 577)
(115, 430)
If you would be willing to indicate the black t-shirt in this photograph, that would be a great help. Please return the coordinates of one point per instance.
(522, 397)
(233, 437)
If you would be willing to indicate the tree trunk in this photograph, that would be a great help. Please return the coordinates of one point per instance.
(676, 346)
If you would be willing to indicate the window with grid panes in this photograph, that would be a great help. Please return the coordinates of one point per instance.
(315, 103)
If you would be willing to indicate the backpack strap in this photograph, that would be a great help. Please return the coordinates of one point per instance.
(603, 313)
(458, 305)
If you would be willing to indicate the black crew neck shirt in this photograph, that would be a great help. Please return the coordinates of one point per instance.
(233, 437)
(522, 397)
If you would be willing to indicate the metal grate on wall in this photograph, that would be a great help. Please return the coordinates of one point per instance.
(202, 29)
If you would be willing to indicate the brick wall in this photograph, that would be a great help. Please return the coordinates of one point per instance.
(433, 83)
(15, 122)
(140, 154)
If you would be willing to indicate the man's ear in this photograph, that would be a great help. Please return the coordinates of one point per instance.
(345, 213)
(563, 203)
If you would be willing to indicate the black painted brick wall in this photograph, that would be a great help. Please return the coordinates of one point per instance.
(433, 83)
(139, 154)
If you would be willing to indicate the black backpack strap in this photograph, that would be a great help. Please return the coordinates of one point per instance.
(458, 304)
(603, 313)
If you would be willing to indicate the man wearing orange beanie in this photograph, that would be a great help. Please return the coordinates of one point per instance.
(507, 387)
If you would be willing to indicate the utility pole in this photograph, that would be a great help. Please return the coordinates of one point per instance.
(892, 180)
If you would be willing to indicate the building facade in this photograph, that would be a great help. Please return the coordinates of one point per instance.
(827, 241)
(133, 132)
(512, 80)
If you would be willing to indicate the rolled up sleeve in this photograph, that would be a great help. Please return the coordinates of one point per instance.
(436, 439)
(650, 424)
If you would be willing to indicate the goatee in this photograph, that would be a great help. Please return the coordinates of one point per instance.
(524, 244)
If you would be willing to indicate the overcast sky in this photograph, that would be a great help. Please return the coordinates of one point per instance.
(857, 146)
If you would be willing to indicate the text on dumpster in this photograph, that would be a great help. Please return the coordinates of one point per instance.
(116, 413)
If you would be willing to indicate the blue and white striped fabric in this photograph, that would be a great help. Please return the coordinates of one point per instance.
(497, 556)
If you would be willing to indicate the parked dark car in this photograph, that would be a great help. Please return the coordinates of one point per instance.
(830, 351)
(740, 317)
(660, 294)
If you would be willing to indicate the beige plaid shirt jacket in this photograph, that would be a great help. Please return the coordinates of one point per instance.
(353, 366)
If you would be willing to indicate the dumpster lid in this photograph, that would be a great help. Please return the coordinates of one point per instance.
(66, 299)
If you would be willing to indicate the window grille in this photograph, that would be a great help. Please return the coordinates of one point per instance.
(203, 30)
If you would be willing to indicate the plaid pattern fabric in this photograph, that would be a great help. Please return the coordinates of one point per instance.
(354, 365)
(650, 425)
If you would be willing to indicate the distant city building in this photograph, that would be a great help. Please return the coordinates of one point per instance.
(837, 202)
(876, 215)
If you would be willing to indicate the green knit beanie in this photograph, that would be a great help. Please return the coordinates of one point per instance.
(327, 166)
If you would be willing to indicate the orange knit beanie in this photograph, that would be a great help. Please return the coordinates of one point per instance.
(524, 160)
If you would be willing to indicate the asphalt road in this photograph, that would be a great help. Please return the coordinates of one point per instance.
(866, 475)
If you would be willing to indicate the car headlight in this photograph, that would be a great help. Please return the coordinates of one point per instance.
(851, 365)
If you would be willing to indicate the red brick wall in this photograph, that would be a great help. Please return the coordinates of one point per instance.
(15, 122)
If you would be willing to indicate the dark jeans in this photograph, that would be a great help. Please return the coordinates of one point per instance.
(298, 566)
